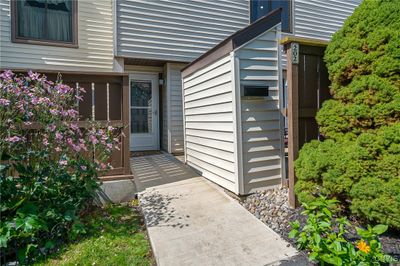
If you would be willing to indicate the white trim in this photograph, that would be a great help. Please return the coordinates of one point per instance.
(281, 107)
(154, 78)
(168, 87)
(237, 120)
(115, 28)
(184, 122)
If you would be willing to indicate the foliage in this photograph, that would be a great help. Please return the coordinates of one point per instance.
(115, 236)
(47, 171)
(323, 236)
(359, 160)
(362, 173)
(363, 61)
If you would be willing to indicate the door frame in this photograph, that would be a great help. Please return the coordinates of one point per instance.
(154, 78)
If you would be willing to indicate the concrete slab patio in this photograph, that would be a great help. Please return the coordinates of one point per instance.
(191, 221)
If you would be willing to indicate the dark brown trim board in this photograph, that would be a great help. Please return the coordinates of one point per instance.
(234, 41)
(125, 118)
(17, 39)
(293, 123)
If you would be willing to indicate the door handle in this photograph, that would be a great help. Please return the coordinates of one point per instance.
(155, 112)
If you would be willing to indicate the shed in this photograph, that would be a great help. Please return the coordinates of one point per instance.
(233, 126)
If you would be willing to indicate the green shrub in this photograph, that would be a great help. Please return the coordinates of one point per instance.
(359, 160)
(47, 175)
(324, 236)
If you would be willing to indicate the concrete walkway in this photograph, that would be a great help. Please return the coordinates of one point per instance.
(191, 221)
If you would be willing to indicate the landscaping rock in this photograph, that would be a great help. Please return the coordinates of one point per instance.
(272, 208)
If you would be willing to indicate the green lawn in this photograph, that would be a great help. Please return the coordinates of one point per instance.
(115, 236)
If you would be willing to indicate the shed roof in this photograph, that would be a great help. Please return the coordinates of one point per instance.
(234, 41)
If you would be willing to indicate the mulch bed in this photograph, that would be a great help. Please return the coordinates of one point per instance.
(272, 208)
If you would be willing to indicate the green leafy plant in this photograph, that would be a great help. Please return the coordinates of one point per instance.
(48, 164)
(358, 163)
(324, 236)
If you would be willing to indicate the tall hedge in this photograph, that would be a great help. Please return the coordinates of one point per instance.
(359, 162)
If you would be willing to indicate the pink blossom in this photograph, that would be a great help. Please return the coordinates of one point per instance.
(4, 102)
(62, 88)
(13, 139)
(93, 139)
(33, 76)
(52, 127)
(35, 101)
(58, 149)
(54, 111)
(59, 136)
(69, 141)
(63, 162)
(76, 148)
(83, 146)
(83, 167)
(74, 126)
(72, 112)
(7, 74)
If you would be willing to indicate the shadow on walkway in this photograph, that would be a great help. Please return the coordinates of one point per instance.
(155, 170)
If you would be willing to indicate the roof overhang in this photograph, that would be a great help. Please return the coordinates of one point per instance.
(234, 41)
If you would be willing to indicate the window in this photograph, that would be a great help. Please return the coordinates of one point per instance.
(49, 22)
(260, 8)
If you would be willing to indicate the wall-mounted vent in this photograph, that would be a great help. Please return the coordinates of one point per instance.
(255, 91)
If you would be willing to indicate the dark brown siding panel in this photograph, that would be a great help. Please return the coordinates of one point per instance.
(100, 101)
(115, 101)
(85, 106)
(308, 88)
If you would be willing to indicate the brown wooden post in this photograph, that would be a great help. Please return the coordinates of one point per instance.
(293, 116)
(125, 119)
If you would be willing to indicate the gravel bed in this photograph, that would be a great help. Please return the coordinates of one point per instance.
(272, 208)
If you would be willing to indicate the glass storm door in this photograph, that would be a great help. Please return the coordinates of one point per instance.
(144, 112)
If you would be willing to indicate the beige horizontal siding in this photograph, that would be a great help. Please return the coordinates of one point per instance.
(261, 136)
(319, 19)
(175, 123)
(209, 123)
(95, 40)
(176, 30)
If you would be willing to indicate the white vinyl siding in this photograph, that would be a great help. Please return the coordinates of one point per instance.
(176, 30)
(319, 19)
(209, 123)
(164, 103)
(260, 116)
(175, 121)
(95, 40)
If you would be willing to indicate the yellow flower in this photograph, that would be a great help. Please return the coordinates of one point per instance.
(363, 246)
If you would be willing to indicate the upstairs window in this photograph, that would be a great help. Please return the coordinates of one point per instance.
(49, 22)
(260, 8)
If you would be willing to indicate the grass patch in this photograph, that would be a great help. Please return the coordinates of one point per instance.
(115, 235)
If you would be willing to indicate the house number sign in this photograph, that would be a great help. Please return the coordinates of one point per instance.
(295, 53)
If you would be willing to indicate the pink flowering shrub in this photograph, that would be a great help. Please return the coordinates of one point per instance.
(48, 163)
